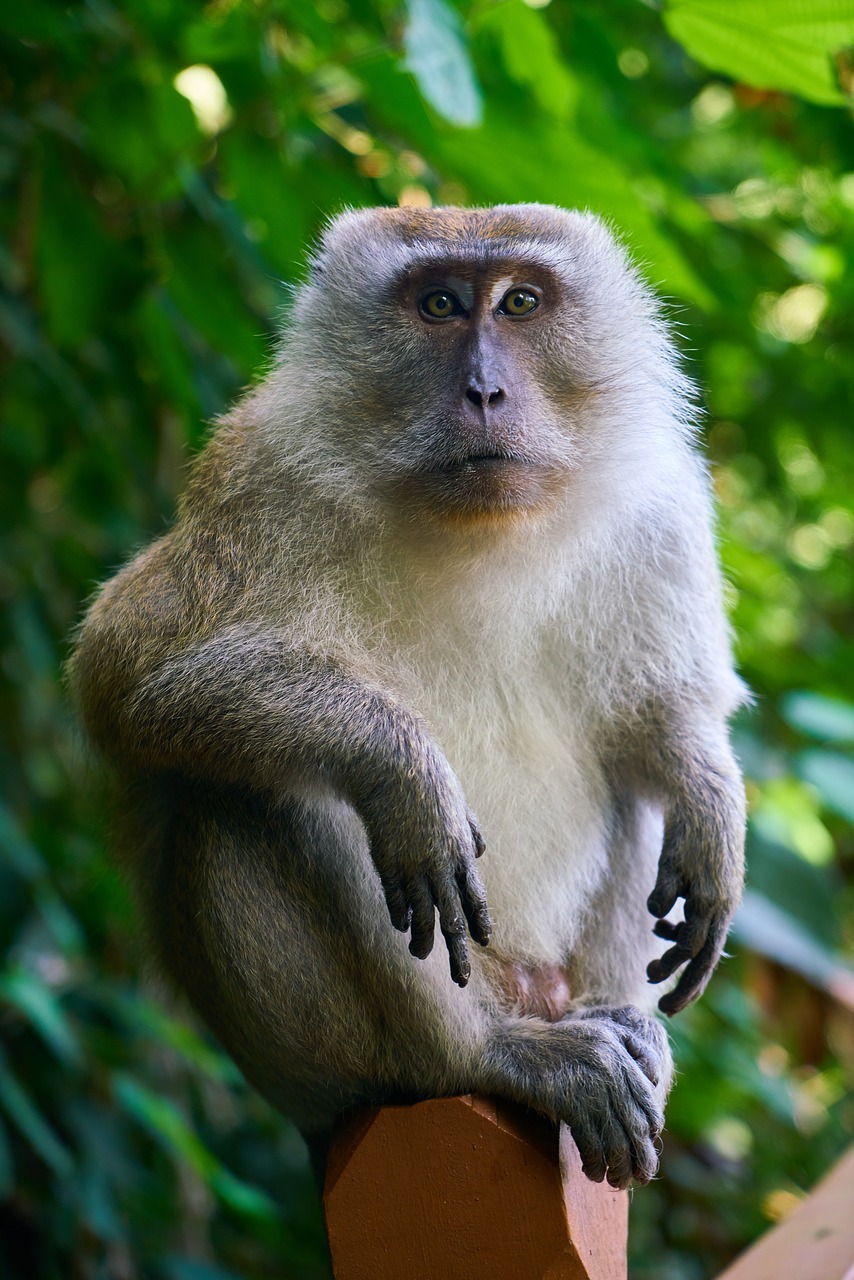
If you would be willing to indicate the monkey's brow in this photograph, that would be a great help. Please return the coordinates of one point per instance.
(487, 264)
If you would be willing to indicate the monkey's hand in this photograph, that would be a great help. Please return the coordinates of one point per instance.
(424, 840)
(702, 862)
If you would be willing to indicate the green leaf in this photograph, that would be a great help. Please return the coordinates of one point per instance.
(16, 848)
(77, 265)
(140, 1014)
(7, 1165)
(36, 20)
(96, 1197)
(437, 56)
(832, 775)
(530, 52)
(830, 719)
(166, 1124)
(769, 44)
(267, 192)
(63, 925)
(242, 1197)
(769, 930)
(169, 1127)
(25, 1114)
(192, 1269)
(40, 1006)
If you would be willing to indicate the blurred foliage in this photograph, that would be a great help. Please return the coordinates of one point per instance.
(164, 165)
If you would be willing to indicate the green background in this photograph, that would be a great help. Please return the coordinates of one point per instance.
(150, 229)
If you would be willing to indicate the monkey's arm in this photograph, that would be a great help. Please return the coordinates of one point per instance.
(689, 763)
(249, 706)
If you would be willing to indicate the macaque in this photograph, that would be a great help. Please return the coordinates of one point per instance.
(443, 585)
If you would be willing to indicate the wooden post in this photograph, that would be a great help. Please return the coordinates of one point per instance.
(467, 1188)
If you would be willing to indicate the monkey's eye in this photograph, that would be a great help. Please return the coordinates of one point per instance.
(518, 302)
(441, 304)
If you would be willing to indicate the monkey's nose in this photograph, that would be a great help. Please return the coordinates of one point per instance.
(484, 398)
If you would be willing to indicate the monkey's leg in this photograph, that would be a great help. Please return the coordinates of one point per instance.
(272, 920)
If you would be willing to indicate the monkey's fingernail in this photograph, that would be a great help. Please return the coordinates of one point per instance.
(655, 971)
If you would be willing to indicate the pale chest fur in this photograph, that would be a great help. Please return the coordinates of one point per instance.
(515, 728)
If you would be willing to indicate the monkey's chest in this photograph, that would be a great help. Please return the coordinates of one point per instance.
(530, 773)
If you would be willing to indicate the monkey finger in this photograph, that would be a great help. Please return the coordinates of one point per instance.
(398, 908)
(664, 929)
(690, 937)
(694, 929)
(474, 905)
(623, 1162)
(458, 957)
(423, 918)
(664, 966)
(590, 1149)
(693, 981)
(669, 886)
(453, 927)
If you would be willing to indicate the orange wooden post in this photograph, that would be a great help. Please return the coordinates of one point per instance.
(467, 1188)
(815, 1243)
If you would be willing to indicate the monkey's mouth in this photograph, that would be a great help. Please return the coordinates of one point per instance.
(484, 486)
(479, 462)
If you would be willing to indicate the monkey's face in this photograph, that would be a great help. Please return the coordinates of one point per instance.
(484, 412)
(468, 349)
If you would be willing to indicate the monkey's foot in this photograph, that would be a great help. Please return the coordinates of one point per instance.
(643, 1037)
(597, 1074)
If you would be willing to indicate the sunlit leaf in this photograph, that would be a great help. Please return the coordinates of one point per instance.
(788, 813)
(437, 56)
(769, 44)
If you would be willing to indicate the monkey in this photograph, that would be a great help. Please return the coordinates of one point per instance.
(444, 584)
